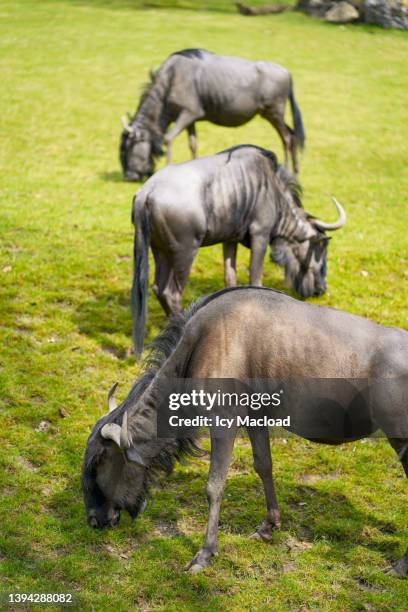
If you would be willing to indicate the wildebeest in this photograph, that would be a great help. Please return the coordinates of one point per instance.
(197, 85)
(237, 196)
(242, 333)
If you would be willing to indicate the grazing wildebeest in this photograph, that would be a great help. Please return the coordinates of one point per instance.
(241, 333)
(197, 85)
(237, 196)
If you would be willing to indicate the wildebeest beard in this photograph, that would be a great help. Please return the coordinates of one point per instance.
(138, 157)
(305, 264)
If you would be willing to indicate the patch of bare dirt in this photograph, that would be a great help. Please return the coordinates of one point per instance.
(163, 529)
(8, 492)
(122, 554)
(141, 605)
(25, 464)
(288, 566)
(297, 546)
(313, 478)
(189, 527)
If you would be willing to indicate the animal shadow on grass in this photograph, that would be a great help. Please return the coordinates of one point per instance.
(325, 514)
(102, 317)
(315, 514)
(107, 318)
(312, 514)
(150, 544)
(112, 177)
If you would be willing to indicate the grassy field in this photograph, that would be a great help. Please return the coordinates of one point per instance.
(69, 70)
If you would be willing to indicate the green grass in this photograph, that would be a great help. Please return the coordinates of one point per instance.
(69, 70)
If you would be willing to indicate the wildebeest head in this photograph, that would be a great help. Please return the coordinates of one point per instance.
(114, 477)
(305, 259)
(138, 149)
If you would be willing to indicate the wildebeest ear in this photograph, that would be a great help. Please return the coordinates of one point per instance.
(111, 431)
(133, 455)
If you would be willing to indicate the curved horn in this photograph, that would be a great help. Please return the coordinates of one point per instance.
(111, 400)
(337, 224)
(124, 434)
(125, 125)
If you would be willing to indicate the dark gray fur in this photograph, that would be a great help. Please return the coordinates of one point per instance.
(197, 85)
(237, 196)
(283, 338)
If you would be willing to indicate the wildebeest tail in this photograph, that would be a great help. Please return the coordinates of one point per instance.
(297, 120)
(140, 284)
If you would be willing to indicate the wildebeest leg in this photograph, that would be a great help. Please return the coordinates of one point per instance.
(192, 140)
(400, 568)
(183, 121)
(162, 276)
(176, 272)
(221, 452)
(286, 136)
(259, 244)
(263, 466)
(284, 131)
(157, 268)
(230, 254)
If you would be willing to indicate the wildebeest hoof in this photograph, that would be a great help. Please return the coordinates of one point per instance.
(265, 529)
(399, 569)
(196, 568)
(264, 536)
(200, 561)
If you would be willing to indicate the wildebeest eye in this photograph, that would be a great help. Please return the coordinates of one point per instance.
(321, 239)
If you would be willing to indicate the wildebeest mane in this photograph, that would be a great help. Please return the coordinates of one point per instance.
(290, 183)
(150, 98)
(144, 91)
(160, 350)
(269, 155)
(192, 53)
